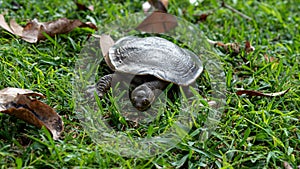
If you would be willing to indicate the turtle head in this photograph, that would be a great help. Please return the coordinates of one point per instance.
(142, 97)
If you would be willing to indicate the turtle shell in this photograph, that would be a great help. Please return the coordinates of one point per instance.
(154, 56)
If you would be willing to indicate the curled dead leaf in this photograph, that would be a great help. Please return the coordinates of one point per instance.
(248, 47)
(34, 30)
(160, 5)
(9, 94)
(83, 7)
(257, 93)
(4, 25)
(105, 43)
(16, 28)
(201, 17)
(158, 22)
(23, 104)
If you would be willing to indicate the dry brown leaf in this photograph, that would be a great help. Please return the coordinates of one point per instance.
(22, 103)
(257, 93)
(15, 27)
(158, 22)
(9, 94)
(248, 47)
(160, 5)
(165, 3)
(201, 17)
(83, 7)
(33, 31)
(4, 25)
(105, 43)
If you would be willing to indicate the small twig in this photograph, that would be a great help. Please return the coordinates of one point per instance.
(235, 11)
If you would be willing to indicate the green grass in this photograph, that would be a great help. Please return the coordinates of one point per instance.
(254, 132)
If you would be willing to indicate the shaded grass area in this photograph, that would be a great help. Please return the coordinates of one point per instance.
(254, 132)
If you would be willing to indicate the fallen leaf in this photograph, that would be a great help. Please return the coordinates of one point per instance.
(201, 17)
(22, 103)
(4, 25)
(83, 7)
(248, 47)
(15, 27)
(9, 94)
(33, 31)
(160, 5)
(105, 43)
(257, 93)
(158, 22)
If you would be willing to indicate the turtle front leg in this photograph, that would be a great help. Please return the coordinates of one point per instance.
(103, 85)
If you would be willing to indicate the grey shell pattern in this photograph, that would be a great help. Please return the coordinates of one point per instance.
(155, 56)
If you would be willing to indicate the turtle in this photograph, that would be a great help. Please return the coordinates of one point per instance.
(156, 62)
